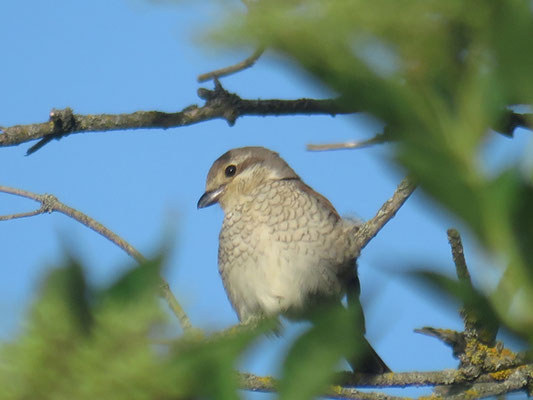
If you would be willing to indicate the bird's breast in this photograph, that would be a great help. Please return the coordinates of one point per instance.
(278, 251)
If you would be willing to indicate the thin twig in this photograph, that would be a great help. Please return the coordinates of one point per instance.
(250, 61)
(22, 215)
(482, 327)
(458, 256)
(50, 203)
(463, 275)
(378, 139)
(367, 231)
(450, 337)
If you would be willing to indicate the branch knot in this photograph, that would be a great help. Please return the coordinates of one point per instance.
(63, 120)
(220, 98)
(48, 202)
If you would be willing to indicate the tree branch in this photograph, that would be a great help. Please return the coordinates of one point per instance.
(478, 325)
(459, 256)
(268, 384)
(50, 203)
(219, 104)
(471, 321)
(484, 385)
(232, 69)
(367, 231)
(516, 382)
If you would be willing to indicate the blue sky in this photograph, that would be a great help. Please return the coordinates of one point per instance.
(124, 56)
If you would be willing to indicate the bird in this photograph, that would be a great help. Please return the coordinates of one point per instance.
(283, 248)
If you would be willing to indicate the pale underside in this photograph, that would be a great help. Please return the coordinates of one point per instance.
(284, 249)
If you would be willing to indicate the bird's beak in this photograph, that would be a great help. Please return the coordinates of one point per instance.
(210, 197)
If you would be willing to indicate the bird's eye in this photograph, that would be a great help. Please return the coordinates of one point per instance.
(230, 170)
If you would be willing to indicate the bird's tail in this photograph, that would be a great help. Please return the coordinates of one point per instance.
(368, 361)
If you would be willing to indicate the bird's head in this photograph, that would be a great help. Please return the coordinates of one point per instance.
(239, 171)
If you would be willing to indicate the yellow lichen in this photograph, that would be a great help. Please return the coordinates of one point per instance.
(430, 397)
(501, 375)
(265, 380)
(487, 357)
(336, 389)
(508, 354)
(471, 394)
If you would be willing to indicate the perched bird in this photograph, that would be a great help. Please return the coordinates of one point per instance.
(283, 248)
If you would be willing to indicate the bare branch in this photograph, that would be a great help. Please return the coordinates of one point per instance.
(339, 392)
(50, 203)
(268, 384)
(517, 381)
(401, 379)
(232, 69)
(462, 274)
(367, 231)
(485, 385)
(456, 340)
(481, 327)
(458, 256)
(378, 139)
(219, 104)
(22, 215)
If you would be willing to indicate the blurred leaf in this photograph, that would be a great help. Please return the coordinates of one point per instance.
(72, 348)
(522, 221)
(309, 367)
(206, 367)
(444, 89)
(142, 280)
(512, 51)
(58, 323)
(65, 300)
(87, 343)
(499, 201)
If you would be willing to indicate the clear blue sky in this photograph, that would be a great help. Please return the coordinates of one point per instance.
(123, 56)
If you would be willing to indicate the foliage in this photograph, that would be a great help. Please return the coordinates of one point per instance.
(312, 359)
(440, 75)
(84, 343)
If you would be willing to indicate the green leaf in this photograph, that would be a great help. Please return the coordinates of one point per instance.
(142, 280)
(59, 323)
(65, 298)
(522, 222)
(309, 367)
(207, 366)
(74, 346)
